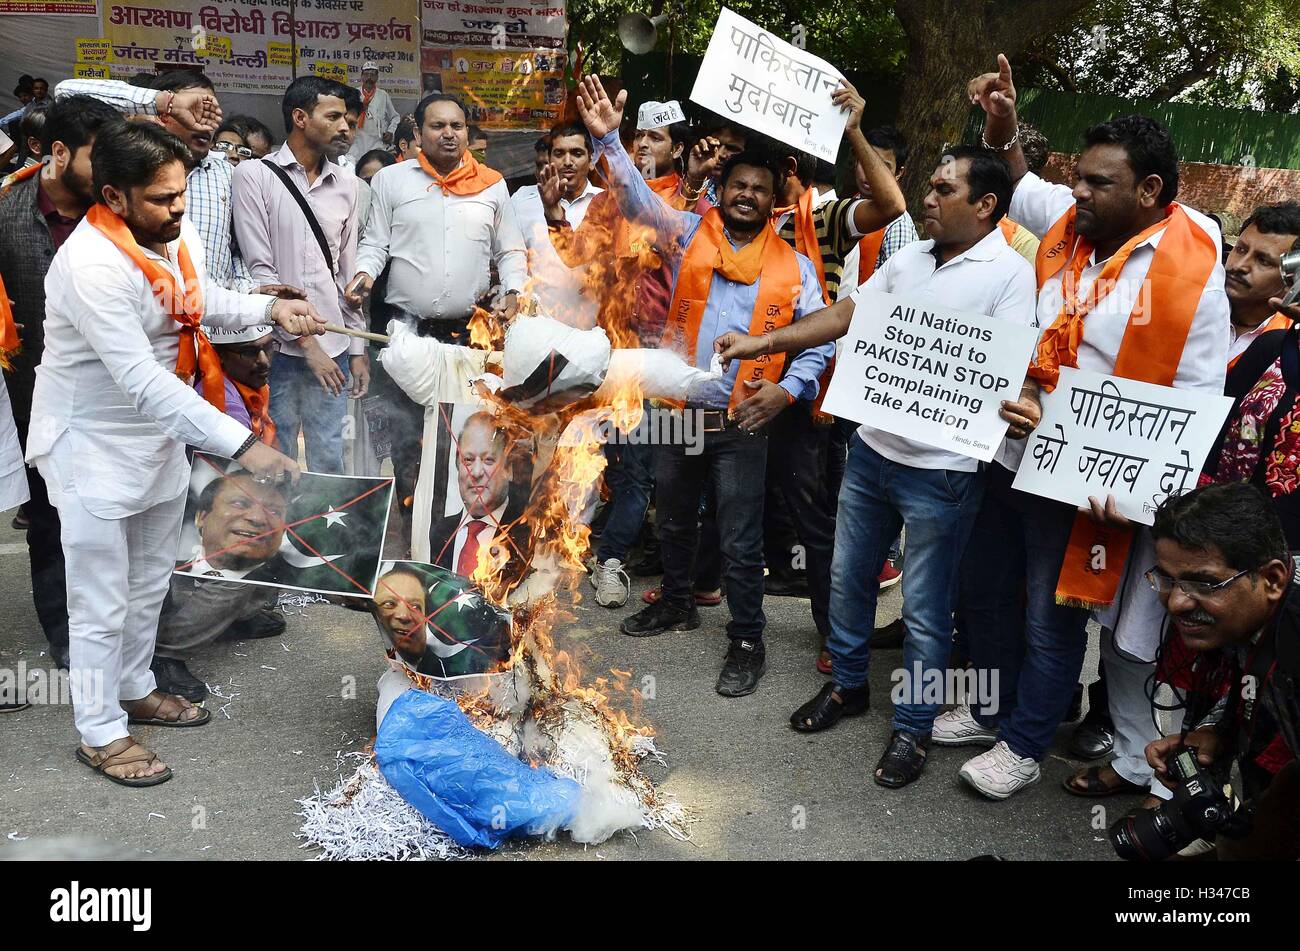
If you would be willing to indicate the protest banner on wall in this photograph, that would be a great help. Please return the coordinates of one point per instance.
(928, 373)
(501, 89)
(509, 24)
(1104, 435)
(243, 45)
(759, 80)
(52, 8)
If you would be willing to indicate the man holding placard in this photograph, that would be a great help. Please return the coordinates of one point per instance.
(891, 480)
(1130, 285)
(731, 271)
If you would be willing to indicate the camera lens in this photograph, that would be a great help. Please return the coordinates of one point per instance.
(1145, 836)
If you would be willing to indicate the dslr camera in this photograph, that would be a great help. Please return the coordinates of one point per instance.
(1198, 810)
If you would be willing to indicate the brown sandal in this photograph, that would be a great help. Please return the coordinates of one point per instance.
(106, 758)
(159, 700)
(1095, 788)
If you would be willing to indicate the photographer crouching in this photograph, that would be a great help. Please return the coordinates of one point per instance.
(1232, 592)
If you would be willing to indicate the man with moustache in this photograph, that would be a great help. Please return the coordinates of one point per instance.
(439, 224)
(112, 413)
(1130, 284)
(37, 214)
(1253, 274)
(1232, 592)
(731, 272)
(296, 219)
(377, 117)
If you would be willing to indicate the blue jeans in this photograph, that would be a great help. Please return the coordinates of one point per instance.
(938, 506)
(629, 476)
(298, 402)
(1036, 646)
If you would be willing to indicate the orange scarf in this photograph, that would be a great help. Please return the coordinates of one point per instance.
(1150, 351)
(1276, 322)
(10, 342)
(805, 235)
(365, 107)
(768, 260)
(631, 240)
(258, 403)
(1009, 228)
(868, 253)
(468, 178)
(196, 353)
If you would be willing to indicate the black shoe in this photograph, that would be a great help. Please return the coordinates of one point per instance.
(20, 522)
(174, 677)
(786, 586)
(1076, 705)
(260, 625)
(824, 711)
(647, 565)
(59, 654)
(746, 662)
(903, 760)
(1092, 739)
(658, 618)
(889, 637)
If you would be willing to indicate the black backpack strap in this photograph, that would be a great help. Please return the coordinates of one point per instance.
(298, 196)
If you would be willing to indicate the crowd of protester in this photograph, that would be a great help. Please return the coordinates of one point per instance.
(687, 236)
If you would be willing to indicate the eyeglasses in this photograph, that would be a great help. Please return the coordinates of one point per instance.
(230, 148)
(251, 353)
(1162, 583)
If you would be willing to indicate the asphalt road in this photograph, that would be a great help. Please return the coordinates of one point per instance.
(757, 789)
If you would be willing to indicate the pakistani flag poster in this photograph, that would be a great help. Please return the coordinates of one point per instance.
(325, 535)
(438, 624)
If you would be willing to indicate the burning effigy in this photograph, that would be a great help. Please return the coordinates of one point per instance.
(486, 730)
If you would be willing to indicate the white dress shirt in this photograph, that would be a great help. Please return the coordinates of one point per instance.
(278, 245)
(558, 287)
(381, 116)
(441, 246)
(989, 278)
(106, 383)
(1241, 341)
(1037, 205)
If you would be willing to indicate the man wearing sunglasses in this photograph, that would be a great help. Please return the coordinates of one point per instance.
(1232, 593)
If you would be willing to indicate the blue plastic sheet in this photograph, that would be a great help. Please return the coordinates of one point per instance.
(462, 780)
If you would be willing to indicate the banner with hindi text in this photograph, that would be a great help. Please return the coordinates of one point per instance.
(508, 24)
(245, 45)
(49, 8)
(1104, 435)
(501, 89)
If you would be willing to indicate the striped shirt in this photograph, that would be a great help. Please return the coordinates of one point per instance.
(836, 237)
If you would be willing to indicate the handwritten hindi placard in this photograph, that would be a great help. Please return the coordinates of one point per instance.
(929, 373)
(760, 81)
(1104, 435)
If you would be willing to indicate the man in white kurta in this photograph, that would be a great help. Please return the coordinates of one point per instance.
(379, 117)
(110, 422)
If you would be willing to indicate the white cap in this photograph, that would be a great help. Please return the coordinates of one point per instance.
(225, 335)
(366, 67)
(656, 115)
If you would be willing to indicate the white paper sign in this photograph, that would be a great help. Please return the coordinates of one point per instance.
(762, 82)
(931, 374)
(1104, 435)
(656, 115)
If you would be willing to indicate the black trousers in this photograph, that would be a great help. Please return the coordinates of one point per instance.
(797, 459)
(44, 545)
(732, 463)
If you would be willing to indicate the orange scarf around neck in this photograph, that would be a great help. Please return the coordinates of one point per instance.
(1150, 351)
(258, 404)
(365, 106)
(468, 178)
(868, 253)
(768, 260)
(196, 354)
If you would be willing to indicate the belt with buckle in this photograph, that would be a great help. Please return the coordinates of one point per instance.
(714, 420)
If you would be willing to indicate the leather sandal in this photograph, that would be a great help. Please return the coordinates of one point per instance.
(1095, 788)
(824, 711)
(902, 761)
(156, 701)
(123, 752)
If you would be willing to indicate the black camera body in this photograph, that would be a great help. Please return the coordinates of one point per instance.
(1198, 810)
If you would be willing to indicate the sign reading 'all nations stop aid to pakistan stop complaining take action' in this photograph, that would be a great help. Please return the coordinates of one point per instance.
(931, 374)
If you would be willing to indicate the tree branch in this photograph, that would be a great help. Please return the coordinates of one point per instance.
(1014, 25)
(1061, 74)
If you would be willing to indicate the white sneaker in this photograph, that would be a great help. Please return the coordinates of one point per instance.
(999, 773)
(611, 583)
(958, 727)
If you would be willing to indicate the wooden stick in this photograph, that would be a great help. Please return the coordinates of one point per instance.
(364, 334)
